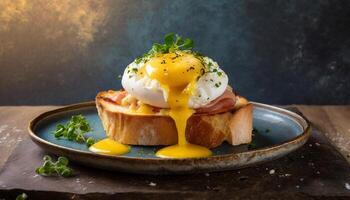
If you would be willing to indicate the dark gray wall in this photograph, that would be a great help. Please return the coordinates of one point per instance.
(278, 52)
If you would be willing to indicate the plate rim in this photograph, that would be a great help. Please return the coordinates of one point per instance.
(299, 119)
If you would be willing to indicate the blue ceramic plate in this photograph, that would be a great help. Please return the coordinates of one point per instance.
(279, 132)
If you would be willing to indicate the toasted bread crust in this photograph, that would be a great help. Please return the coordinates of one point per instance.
(209, 130)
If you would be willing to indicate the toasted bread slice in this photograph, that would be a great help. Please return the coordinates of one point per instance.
(209, 130)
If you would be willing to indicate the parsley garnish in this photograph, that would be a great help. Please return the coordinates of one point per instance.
(215, 70)
(134, 70)
(51, 168)
(172, 42)
(74, 130)
(218, 84)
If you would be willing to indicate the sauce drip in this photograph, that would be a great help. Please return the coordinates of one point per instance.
(177, 74)
(109, 147)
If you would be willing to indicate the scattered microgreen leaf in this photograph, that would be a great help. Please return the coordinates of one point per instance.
(22, 196)
(74, 130)
(90, 141)
(251, 145)
(54, 168)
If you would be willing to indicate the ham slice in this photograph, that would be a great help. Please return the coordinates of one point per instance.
(221, 104)
(119, 97)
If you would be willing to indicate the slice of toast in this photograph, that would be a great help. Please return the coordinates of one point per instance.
(209, 130)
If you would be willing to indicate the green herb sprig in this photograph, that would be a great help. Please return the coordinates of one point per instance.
(74, 130)
(172, 42)
(52, 168)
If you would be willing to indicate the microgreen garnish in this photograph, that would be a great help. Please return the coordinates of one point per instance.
(74, 130)
(51, 168)
(172, 42)
(22, 196)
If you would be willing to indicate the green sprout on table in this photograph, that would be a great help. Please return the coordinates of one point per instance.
(22, 196)
(52, 168)
(74, 130)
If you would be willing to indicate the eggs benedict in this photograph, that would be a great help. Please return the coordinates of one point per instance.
(175, 96)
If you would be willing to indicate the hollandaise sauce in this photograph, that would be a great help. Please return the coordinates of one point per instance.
(110, 147)
(177, 73)
(144, 109)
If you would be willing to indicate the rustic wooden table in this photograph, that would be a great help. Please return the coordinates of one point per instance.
(333, 123)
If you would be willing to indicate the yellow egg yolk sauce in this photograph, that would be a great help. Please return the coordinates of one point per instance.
(143, 109)
(177, 74)
(109, 147)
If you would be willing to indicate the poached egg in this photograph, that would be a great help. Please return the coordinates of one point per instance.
(177, 67)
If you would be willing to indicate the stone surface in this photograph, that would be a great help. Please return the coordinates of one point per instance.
(279, 52)
(334, 121)
(14, 122)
